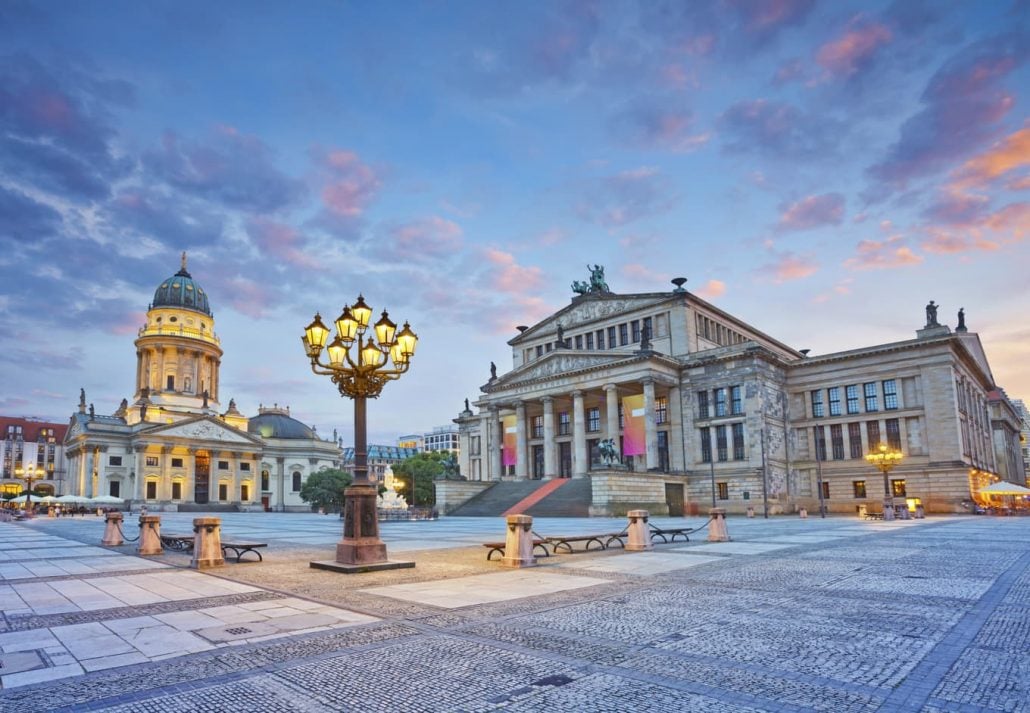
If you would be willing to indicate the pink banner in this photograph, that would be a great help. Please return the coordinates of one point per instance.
(509, 455)
(633, 443)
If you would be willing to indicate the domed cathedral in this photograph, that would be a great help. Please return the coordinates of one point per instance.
(174, 447)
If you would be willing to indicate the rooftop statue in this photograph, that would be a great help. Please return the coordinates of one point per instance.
(596, 283)
(931, 315)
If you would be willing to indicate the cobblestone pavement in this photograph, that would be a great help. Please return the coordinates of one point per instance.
(792, 615)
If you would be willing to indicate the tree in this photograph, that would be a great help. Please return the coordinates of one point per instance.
(324, 489)
(424, 468)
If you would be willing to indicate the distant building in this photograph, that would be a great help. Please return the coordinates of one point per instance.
(443, 438)
(414, 440)
(175, 446)
(379, 459)
(1024, 432)
(704, 409)
(39, 444)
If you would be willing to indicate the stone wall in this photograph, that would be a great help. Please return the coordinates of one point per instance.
(615, 493)
(450, 494)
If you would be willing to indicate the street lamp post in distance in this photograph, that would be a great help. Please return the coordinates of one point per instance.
(885, 458)
(360, 377)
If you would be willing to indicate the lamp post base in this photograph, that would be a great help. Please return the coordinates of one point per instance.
(359, 568)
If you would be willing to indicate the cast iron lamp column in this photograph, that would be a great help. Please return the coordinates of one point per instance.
(359, 378)
(28, 475)
(885, 459)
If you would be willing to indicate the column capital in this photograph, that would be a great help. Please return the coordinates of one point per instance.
(611, 387)
(649, 380)
(547, 399)
(577, 394)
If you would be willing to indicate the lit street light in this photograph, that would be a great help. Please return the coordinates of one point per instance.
(885, 459)
(360, 377)
(28, 475)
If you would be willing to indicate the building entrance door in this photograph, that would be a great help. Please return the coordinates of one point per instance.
(264, 503)
(565, 460)
(674, 499)
(201, 477)
(538, 462)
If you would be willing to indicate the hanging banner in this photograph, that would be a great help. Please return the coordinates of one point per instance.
(509, 456)
(633, 440)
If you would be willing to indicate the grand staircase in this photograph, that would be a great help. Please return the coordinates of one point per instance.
(548, 498)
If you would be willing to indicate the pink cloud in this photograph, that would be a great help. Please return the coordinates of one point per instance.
(882, 254)
(847, 54)
(130, 324)
(282, 242)
(508, 276)
(711, 289)
(350, 185)
(944, 243)
(248, 297)
(626, 197)
(550, 237)
(789, 267)
(426, 239)
(1010, 154)
(813, 212)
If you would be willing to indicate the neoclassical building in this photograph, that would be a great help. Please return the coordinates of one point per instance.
(174, 445)
(705, 409)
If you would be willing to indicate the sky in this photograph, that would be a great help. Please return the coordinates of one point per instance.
(820, 169)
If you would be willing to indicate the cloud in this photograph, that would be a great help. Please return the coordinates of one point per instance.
(349, 184)
(424, 240)
(945, 243)
(777, 129)
(649, 125)
(629, 196)
(505, 274)
(1009, 154)
(962, 105)
(762, 20)
(228, 168)
(957, 208)
(788, 267)
(163, 217)
(882, 254)
(23, 219)
(711, 290)
(281, 242)
(246, 296)
(855, 49)
(812, 212)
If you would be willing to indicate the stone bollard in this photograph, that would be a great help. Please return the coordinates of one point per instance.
(207, 543)
(888, 512)
(751, 511)
(717, 527)
(149, 535)
(639, 537)
(803, 513)
(920, 512)
(518, 545)
(113, 531)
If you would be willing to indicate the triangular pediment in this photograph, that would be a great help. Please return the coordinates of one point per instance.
(971, 342)
(204, 428)
(555, 363)
(590, 309)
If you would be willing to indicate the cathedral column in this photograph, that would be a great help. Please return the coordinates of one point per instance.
(486, 464)
(520, 441)
(91, 458)
(137, 485)
(280, 469)
(497, 439)
(214, 380)
(676, 430)
(550, 452)
(611, 413)
(165, 482)
(161, 368)
(579, 437)
(650, 427)
(234, 496)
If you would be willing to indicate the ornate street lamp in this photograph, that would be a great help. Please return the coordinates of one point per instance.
(360, 374)
(885, 459)
(28, 475)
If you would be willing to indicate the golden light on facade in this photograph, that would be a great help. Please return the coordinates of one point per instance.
(885, 459)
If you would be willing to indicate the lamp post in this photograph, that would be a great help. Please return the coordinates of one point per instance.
(28, 475)
(360, 377)
(885, 458)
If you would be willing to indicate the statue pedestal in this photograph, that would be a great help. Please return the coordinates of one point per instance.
(360, 550)
(639, 539)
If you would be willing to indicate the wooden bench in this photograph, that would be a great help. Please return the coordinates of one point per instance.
(602, 541)
(669, 534)
(498, 547)
(242, 548)
(179, 543)
(874, 516)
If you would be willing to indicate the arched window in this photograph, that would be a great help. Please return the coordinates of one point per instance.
(264, 481)
(296, 481)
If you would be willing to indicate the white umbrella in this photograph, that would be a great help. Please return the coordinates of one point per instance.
(47, 499)
(19, 499)
(69, 499)
(1004, 488)
(106, 500)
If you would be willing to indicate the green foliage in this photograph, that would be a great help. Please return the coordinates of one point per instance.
(424, 468)
(324, 489)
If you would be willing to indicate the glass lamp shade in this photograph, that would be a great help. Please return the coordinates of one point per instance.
(370, 354)
(398, 355)
(385, 330)
(337, 352)
(316, 333)
(407, 340)
(361, 312)
(347, 326)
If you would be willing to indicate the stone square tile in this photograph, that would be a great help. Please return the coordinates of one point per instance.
(41, 675)
(640, 563)
(484, 588)
(158, 641)
(105, 662)
(733, 548)
(27, 640)
(189, 620)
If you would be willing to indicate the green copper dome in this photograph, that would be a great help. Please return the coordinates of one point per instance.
(181, 291)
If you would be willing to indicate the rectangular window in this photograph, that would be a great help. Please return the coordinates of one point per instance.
(720, 402)
(890, 395)
(177, 490)
(872, 429)
(296, 481)
(870, 397)
(855, 439)
(538, 427)
(820, 442)
(547, 347)
(738, 441)
(579, 341)
(898, 488)
(834, 393)
(817, 404)
(539, 350)
(851, 391)
(706, 444)
(661, 410)
(244, 492)
(114, 460)
(244, 466)
(646, 328)
(611, 337)
(590, 340)
(858, 488)
(593, 420)
(826, 490)
(223, 465)
(151, 490)
(600, 339)
(837, 441)
(702, 404)
(635, 330)
(170, 383)
(176, 462)
(265, 487)
(223, 491)
(720, 443)
(564, 423)
(893, 428)
(736, 403)
(724, 490)
(623, 335)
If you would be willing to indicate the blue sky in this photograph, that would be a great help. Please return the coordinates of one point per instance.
(820, 169)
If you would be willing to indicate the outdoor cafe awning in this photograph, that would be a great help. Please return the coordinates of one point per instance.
(1004, 488)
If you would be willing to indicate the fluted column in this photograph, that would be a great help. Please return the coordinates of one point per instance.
(280, 469)
(137, 485)
(521, 444)
(496, 439)
(485, 451)
(550, 449)
(166, 475)
(91, 458)
(579, 437)
(611, 413)
(650, 427)
(676, 429)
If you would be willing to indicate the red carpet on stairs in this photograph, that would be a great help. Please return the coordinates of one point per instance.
(536, 496)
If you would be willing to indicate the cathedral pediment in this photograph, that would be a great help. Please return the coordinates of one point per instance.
(554, 364)
(204, 429)
(591, 308)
